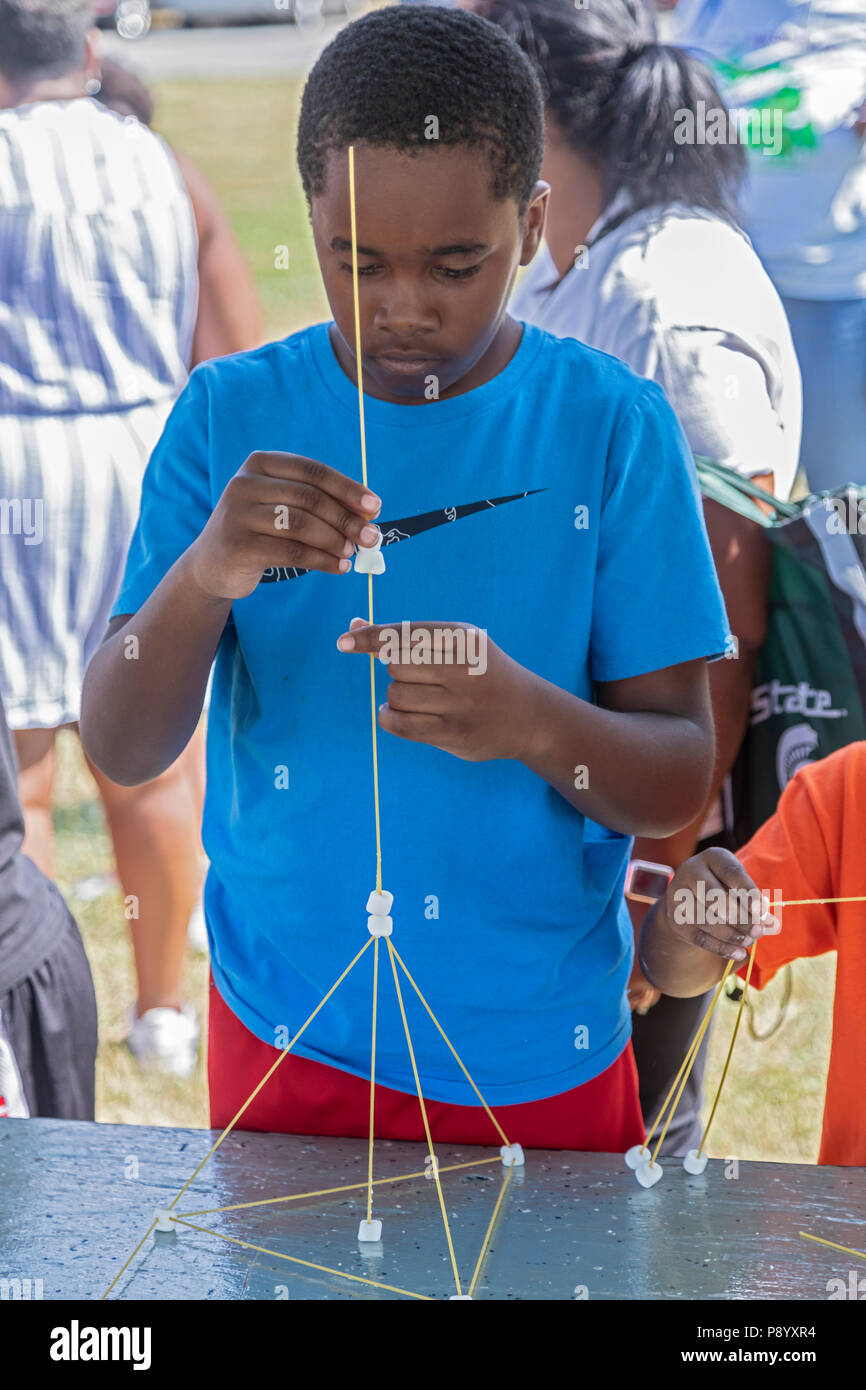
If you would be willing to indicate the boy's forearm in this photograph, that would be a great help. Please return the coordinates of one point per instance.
(641, 773)
(674, 966)
(144, 687)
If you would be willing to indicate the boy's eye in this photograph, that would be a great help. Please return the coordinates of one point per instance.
(446, 270)
(451, 274)
(362, 269)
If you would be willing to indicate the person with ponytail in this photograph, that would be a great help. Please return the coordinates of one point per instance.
(643, 259)
(802, 68)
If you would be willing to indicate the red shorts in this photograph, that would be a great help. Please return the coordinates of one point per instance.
(305, 1097)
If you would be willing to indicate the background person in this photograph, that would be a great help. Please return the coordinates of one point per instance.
(97, 307)
(228, 318)
(804, 206)
(643, 259)
(810, 848)
(47, 1004)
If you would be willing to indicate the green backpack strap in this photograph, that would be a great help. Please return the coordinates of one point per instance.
(729, 488)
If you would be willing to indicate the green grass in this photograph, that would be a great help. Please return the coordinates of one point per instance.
(773, 1100)
(242, 133)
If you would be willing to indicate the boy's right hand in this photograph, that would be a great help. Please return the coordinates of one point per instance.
(281, 510)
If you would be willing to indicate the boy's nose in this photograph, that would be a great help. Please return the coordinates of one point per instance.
(403, 317)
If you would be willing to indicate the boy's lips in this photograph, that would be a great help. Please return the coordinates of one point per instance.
(408, 363)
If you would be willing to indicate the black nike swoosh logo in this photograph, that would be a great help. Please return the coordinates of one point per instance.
(405, 527)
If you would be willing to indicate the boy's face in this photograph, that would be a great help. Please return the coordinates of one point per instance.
(437, 258)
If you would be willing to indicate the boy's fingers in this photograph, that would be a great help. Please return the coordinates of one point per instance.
(744, 903)
(280, 498)
(294, 555)
(729, 871)
(705, 903)
(685, 895)
(419, 728)
(367, 640)
(364, 639)
(729, 918)
(293, 525)
(318, 475)
(412, 698)
(707, 942)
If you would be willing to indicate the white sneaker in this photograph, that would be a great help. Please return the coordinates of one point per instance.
(165, 1040)
(196, 932)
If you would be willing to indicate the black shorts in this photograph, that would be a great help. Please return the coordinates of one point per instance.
(49, 1023)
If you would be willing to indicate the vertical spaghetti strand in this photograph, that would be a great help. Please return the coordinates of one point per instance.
(696, 1045)
(687, 1063)
(358, 368)
(676, 1081)
(359, 372)
(496, 1125)
(372, 1080)
(489, 1232)
(730, 1050)
(430, 1148)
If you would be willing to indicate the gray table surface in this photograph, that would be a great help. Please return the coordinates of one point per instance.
(75, 1199)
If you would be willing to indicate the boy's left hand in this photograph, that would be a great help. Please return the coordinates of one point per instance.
(478, 708)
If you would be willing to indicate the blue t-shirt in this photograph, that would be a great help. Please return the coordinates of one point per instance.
(508, 903)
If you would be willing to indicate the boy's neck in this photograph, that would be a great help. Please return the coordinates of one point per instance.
(492, 361)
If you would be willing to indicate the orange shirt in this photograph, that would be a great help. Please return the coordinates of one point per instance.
(815, 847)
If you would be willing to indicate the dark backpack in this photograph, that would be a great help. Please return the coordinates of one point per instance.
(809, 693)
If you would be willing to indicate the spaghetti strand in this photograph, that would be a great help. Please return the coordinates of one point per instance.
(359, 373)
(434, 1160)
(295, 1260)
(497, 1126)
(329, 1191)
(489, 1232)
(687, 1063)
(695, 1048)
(737, 1023)
(372, 1080)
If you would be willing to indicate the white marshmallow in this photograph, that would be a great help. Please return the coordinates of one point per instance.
(694, 1162)
(648, 1174)
(380, 926)
(370, 1230)
(379, 904)
(635, 1155)
(369, 558)
(512, 1154)
(164, 1221)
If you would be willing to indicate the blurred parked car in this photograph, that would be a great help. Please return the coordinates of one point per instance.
(133, 18)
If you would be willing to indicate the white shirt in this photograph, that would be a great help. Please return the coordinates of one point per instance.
(680, 296)
(804, 205)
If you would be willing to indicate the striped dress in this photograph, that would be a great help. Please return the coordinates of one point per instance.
(98, 294)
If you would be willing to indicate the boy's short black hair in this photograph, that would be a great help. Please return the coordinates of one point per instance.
(42, 38)
(382, 78)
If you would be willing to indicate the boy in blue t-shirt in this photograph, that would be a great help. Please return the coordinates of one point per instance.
(531, 488)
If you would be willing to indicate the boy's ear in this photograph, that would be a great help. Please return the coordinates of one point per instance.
(533, 224)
